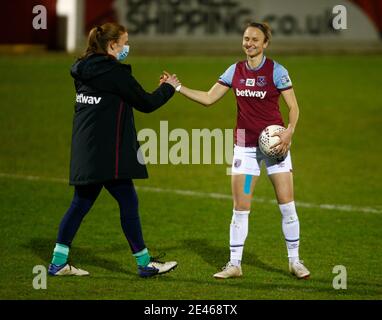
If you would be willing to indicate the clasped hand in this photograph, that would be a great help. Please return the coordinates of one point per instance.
(169, 78)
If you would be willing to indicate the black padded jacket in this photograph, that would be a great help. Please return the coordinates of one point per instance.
(104, 140)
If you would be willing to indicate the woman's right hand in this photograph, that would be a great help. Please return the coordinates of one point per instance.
(164, 76)
(171, 79)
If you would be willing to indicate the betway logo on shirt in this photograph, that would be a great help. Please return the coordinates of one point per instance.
(87, 99)
(250, 93)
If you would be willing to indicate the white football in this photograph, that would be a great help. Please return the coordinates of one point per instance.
(266, 141)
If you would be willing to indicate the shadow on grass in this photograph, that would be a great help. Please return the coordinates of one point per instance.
(43, 248)
(219, 256)
(213, 256)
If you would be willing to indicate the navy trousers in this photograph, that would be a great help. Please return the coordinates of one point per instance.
(84, 196)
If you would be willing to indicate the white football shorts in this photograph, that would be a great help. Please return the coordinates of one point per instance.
(247, 160)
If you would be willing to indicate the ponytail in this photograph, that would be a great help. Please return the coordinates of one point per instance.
(100, 36)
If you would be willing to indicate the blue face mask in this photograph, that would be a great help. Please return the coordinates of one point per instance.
(124, 53)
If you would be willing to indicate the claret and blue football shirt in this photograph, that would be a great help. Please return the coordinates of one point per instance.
(257, 94)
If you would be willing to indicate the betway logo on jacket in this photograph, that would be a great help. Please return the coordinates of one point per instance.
(250, 93)
(87, 99)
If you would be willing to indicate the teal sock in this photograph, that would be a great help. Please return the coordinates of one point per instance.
(60, 254)
(142, 257)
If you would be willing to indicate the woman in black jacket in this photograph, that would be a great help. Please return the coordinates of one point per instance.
(105, 150)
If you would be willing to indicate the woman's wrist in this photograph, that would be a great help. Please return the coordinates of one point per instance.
(177, 88)
(291, 128)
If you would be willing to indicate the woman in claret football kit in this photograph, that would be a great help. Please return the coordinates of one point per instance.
(257, 83)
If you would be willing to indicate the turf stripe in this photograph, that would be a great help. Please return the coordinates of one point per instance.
(191, 193)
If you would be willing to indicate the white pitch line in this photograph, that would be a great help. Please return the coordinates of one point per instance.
(212, 195)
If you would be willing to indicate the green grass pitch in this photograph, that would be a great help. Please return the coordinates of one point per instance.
(336, 156)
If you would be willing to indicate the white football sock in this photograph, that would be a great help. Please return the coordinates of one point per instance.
(291, 229)
(238, 234)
